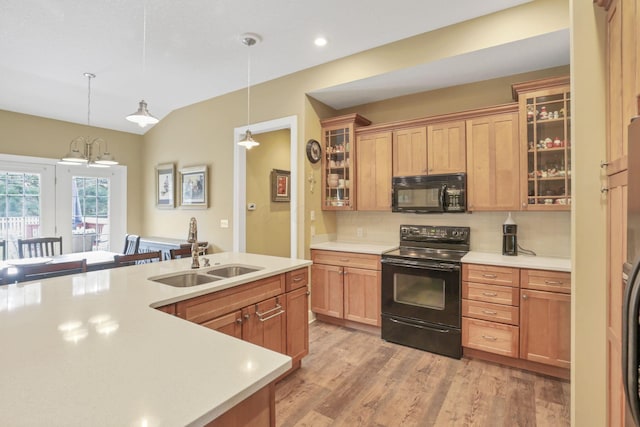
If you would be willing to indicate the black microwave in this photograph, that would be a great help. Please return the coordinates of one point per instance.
(429, 193)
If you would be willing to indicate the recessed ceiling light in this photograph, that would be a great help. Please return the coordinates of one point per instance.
(320, 41)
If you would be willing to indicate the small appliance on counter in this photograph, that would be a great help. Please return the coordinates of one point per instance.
(509, 237)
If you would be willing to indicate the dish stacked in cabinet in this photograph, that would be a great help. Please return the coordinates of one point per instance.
(518, 317)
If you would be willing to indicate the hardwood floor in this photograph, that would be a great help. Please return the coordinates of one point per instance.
(354, 378)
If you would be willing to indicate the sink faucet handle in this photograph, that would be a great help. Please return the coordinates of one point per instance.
(206, 262)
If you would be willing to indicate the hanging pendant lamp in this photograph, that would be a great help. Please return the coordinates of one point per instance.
(143, 117)
(249, 40)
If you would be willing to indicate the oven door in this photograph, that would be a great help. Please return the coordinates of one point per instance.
(423, 290)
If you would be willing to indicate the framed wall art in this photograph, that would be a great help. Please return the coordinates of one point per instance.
(194, 187)
(165, 186)
(280, 185)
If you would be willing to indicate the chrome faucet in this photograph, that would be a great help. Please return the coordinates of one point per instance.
(193, 239)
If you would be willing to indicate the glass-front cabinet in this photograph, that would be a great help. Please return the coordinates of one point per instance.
(545, 130)
(339, 161)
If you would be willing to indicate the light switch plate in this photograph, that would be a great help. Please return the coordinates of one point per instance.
(224, 223)
(251, 206)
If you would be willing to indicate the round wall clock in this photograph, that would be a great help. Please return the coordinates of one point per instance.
(313, 150)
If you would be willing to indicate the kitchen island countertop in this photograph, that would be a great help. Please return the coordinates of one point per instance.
(89, 349)
(519, 261)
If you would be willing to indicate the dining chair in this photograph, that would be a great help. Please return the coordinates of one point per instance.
(25, 273)
(131, 244)
(183, 252)
(39, 247)
(139, 258)
(3, 247)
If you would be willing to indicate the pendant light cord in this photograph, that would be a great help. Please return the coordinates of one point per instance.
(89, 77)
(248, 85)
(144, 38)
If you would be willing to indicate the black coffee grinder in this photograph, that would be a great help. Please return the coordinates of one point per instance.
(509, 237)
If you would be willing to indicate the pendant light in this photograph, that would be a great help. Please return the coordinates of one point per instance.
(143, 117)
(249, 40)
(85, 150)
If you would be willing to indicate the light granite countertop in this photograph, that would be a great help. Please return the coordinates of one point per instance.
(89, 349)
(520, 261)
(363, 248)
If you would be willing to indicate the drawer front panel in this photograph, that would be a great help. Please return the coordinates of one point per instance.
(553, 281)
(346, 259)
(491, 337)
(492, 312)
(490, 293)
(296, 279)
(505, 276)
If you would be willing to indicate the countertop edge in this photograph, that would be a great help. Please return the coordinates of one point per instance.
(519, 261)
(355, 247)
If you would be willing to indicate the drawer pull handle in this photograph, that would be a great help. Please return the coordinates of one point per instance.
(490, 294)
(271, 317)
(489, 312)
(553, 282)
(297, 279)
(490, 276)
(345, 259)
(489, 338)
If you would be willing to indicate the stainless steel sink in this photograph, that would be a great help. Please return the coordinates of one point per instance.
(184, 279)
(233, 270)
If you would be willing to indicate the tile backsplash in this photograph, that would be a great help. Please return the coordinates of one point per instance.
(545, 233)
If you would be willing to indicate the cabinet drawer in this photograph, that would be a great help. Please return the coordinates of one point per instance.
(346, 259)
(492, 312)
(207, 307)
(543, 280)
(296, 279)
(491, 337)
(505, 276)
(490, 293)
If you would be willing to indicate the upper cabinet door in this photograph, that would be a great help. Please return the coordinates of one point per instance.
(374, 172)
(410, 151)
(446, 148)
(493, 163)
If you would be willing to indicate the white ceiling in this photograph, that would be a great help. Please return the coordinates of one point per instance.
(193, 52)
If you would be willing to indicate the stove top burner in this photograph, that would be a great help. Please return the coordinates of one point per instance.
(426, 242)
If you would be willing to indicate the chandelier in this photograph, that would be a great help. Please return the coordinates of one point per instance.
(86, 150)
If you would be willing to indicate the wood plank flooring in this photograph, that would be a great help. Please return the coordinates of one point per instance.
(354, 378)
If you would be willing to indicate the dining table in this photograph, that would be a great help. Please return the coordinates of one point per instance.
(96, 260)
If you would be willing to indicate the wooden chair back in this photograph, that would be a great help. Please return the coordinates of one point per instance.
(45, 271)
(131, 244)
(183, 252)
(39, 247)
(139, 258)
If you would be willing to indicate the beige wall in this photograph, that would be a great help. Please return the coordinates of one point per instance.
(589, 246)
(25, 135)
(269, 225)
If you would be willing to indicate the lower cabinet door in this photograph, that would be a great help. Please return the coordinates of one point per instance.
(264, 324)
(362, 295)
(545, 327)
(326, 290)
(230, 324)
(298, 323)
(490, 336)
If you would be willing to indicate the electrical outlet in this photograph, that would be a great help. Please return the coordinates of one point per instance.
(313, 231)
(312, 215)
(359, 232)
(224, 223)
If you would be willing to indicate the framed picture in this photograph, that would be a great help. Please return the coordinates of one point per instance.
(165, 186)
(280, 185)
(193, 187)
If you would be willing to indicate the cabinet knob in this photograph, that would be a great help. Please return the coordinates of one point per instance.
(604, 190)
(525, 296)
(308, 293)
(603, 164)
(247, 316)
(239, 320)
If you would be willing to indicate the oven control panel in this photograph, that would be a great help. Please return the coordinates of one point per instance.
(434, 233)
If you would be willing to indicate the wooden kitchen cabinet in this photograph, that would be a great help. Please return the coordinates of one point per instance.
(270, 312)
(373, 175)
(410, 151)
(545, 133)
(428, 150)
(493, 163)
(545, 318)
(490, 312)
(446, 147)
(346, 286)
(339, 161)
